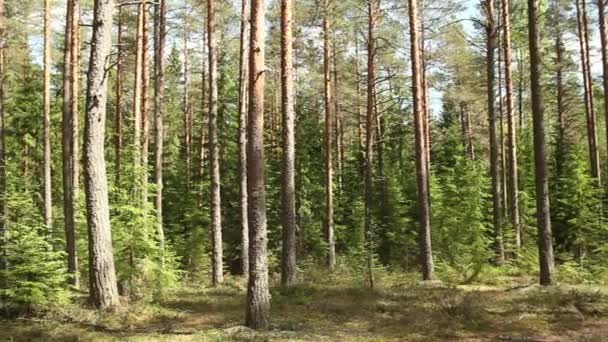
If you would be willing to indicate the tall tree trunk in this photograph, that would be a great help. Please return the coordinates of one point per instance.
(203, 127)
(3, 224)
(370, 130)
(102, 282)
(583, 34)
(75, 99)
(70, 136)
(424, 208)
(329, 178)
(513, 179)
(545, 240)
(360, 122)
(137, 88)
(520, 90)
(288, 188)
(48, 199)
(118, 118)
(187, 106)
(258, 294)
(145, 104)
(214, 151)
(425, 89)
(159, 109)
(425, 101)
(501, 124)
(497, 202)
(243, 84)
(601, 5)
(337, 116)
(560, 154)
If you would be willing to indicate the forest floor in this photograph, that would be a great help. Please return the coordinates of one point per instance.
(332, 309)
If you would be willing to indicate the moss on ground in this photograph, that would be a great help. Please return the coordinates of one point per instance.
(336, 308)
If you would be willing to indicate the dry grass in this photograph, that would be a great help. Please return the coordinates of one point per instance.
(326, 308)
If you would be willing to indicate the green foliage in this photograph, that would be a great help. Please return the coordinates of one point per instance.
(148, 269)
(526, 262)
(35, 277)
(577, 214)
(571, 272)
(461, 232)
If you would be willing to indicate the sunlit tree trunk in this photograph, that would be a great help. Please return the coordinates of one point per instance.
(545, 240)
(69, 142)
(497, 199)
(3, 263)
(583, 35)
(214, 151)
(337, 116)
(159, 113)
(601, 6)
(360, 122)
(258, 294)
(370, 129)
(425, 89)
(513, 179)
(75, 99)
(118, 115)
(243, 84)
(145, 104)
(520, 90)
(204, 128)
(288, 185)
(187, 107)
(425, 100)
(501, 124)
(424, 209)
(102, 276)
(137, 87)
(329, 171)
(48, 199)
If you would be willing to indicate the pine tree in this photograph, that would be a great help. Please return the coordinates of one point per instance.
(70, 142)
(422, 172)
(288, 196)
(329, 178)
(495, 169)
(545, 240)
(47, 194)
(243, 84)
(258, 295)
(214, 150)
(102, 282)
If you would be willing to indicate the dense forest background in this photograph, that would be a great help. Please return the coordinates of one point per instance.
(451, 141)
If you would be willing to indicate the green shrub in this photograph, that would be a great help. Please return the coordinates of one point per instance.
(35, 276)
(147, 269)
(461, 233)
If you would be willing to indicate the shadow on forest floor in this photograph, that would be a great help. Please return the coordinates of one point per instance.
(335, 310)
